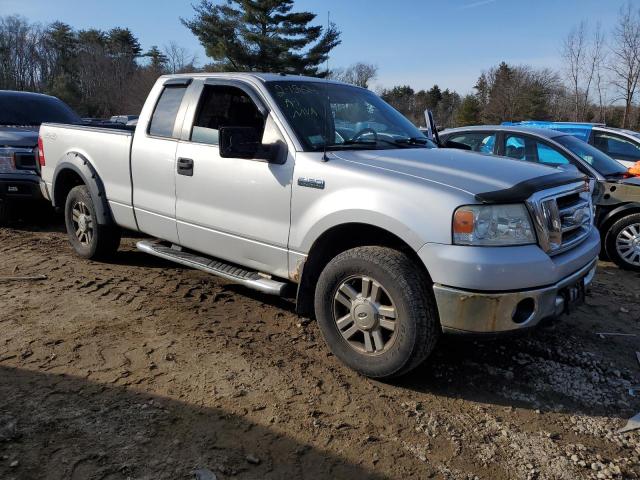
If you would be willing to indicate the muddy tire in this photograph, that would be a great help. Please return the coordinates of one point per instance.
(376, 311)
(88, 238)
(622, 242)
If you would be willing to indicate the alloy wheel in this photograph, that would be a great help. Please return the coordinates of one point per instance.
(82, 223)
(365, 315)
(628, 244)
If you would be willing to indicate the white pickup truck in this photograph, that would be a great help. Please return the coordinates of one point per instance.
(297, 186)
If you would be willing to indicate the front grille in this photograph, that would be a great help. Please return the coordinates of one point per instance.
(563, 217)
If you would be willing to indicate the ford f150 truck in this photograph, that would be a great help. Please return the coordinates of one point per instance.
(298, 186)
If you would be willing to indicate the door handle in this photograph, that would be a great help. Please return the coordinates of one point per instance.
(185, 167)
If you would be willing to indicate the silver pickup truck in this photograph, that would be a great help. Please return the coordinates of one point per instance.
(320, 190)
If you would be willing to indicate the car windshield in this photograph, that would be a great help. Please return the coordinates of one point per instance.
(33, 110)
(340, 117)
(601, 162)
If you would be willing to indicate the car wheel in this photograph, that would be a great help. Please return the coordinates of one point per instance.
(88, 238)
(622, 242)
(376, 311)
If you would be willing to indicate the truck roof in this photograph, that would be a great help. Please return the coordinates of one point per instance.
(261, 76)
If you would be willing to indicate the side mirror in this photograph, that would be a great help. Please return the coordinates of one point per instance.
(244, 142)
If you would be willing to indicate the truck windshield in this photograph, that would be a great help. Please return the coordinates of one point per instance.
(17, 108)
(340, 117)
(601, 162)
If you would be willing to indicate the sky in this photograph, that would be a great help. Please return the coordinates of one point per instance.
(413, 42)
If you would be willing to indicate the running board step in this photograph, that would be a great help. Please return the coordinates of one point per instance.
(215, 267)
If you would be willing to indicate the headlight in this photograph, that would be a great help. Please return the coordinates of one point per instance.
(493, 225)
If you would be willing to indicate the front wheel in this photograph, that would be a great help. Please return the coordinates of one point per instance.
(376, 311)
(88, 238)
(622, 242)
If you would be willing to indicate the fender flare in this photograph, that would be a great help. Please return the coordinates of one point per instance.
(82, 167)
(606, 220)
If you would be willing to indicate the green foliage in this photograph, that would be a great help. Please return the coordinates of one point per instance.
(443, 104)
(157, 60)
(470, 111)
(262, 35)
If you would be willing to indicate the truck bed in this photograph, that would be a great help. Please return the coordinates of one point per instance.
(107, 150)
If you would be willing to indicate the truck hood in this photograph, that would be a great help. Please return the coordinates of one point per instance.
(18, 136)
(473, 173)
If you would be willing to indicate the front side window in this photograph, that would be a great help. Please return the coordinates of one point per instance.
(341, 117)
(482, 142)
(615, 146)
(525, 148)
(549, 155)
(164, 116)
(224, 106)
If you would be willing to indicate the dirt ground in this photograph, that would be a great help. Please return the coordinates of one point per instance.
(142, 369)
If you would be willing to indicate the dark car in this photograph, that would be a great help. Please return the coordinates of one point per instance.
(21, 114)
(616, 191)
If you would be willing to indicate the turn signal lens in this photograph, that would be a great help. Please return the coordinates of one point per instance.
(463, 222)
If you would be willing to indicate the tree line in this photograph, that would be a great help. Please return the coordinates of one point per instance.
(100, 73)
(599, 83)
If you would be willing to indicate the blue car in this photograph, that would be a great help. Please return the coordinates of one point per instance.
(620, 144)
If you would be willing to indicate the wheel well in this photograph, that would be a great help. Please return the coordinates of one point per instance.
(65, 181)
(335, 241)
(608, 223)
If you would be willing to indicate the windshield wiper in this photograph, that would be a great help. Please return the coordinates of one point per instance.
(400, 142)
(412, 141)
(358, 142)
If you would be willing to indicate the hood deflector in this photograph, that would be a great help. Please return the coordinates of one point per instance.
(523, 190)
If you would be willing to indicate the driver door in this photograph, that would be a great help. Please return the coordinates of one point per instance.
(232, 208)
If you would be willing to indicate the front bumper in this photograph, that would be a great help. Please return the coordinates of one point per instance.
(464, 311)
(20, 187)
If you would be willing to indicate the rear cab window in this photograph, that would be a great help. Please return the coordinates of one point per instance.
(163, 120)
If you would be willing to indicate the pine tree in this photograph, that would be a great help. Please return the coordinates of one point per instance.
(469, 111)
(157, 60)
(262, 35)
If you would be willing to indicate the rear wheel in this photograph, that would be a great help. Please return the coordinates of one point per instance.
(88, 238)
(376, 312)
(622, 242)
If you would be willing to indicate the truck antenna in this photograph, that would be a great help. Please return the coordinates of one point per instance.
(326, 85)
